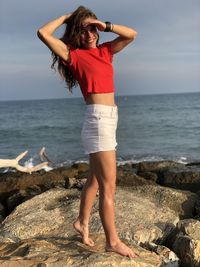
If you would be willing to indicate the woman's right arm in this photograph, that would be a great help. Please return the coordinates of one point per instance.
(45, 33)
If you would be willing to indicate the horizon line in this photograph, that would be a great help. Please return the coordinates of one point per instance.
(73, 97)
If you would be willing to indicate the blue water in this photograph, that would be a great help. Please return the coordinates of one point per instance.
(151, 127)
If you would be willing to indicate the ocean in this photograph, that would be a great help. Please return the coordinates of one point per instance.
(150, 128)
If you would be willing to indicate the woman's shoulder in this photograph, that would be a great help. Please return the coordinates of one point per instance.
(106, 49)
(105, 44)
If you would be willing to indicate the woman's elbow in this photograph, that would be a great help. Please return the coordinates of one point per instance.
(40, 33)
(133, 34)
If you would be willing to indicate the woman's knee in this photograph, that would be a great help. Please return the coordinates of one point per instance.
(107, 189)
(92, 181)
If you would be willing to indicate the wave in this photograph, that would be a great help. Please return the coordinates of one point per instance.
(182, 159)
(31, 162)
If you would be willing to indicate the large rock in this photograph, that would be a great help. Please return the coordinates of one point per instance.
(144, 214)
(13, 182)
(187, 242)
(152, 170)
(185, 203)
(49, 216)
(127, 177)
(187, 178)
(53, 212)
(17, 187)
(156, 166)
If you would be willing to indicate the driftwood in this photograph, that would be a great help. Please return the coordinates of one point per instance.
(43, 155)
(14, 163)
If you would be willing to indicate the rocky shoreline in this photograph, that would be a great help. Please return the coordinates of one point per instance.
(157, 213)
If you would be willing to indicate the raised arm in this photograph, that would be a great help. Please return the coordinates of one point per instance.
(126, 34)
(45, 33)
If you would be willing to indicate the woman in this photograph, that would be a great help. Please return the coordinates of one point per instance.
(81, 60)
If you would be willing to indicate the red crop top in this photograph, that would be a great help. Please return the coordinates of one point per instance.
(93, 69)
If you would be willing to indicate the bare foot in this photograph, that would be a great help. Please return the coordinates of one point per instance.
(121, 249)
(83, 231)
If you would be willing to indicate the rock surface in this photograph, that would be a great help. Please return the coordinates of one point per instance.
(59, 252)
(50, 216)
(53, 212)
(169, 258)
(187, 242)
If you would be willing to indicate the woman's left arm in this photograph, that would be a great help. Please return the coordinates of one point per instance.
(126, 35)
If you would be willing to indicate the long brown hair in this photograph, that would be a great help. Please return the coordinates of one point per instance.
(71, 38)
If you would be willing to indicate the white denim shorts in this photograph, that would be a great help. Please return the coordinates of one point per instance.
(99, 128)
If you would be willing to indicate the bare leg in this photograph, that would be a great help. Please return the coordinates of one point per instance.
(88, 196)
(104, 164)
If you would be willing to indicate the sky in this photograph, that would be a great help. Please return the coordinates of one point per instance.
(164, 58)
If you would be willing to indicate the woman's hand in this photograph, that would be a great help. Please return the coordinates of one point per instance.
(66, 17)
(99, 24)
